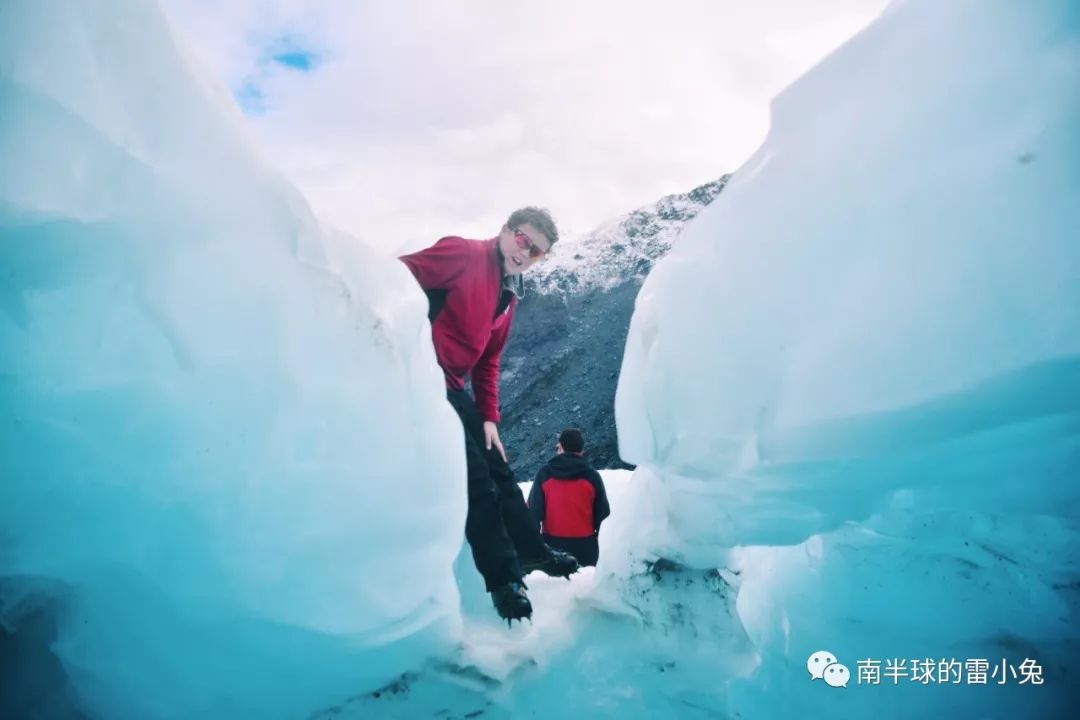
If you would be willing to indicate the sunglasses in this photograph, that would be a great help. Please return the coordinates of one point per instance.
(525, 243)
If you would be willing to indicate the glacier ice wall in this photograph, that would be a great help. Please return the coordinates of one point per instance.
(868, 350)
(219, 421)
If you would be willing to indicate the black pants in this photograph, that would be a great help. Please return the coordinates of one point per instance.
(585, 549)
(498, 527)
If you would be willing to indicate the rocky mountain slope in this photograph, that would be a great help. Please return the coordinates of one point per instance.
(561, 366)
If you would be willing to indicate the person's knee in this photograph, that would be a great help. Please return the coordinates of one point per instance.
(482, 517)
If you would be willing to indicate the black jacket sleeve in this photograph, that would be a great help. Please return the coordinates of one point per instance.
(536, 496)
(601, 508)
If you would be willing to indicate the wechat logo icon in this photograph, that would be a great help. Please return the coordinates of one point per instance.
(823, 666)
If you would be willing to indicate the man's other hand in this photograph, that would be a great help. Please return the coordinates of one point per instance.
(491, 437)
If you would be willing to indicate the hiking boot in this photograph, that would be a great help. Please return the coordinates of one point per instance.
(555, 563)
(511, 602)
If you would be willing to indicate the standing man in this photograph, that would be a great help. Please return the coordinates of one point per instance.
(569, 501)
(472, 288)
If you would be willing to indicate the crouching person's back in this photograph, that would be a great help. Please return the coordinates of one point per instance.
(568, 500)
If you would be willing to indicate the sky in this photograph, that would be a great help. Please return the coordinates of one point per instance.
(404, 122)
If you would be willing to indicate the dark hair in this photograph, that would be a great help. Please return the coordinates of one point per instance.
(539, 218)
(572, 440)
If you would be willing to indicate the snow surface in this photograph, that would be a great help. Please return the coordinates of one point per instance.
(230, 473)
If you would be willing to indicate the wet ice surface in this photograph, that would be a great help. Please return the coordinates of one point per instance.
(625, 639)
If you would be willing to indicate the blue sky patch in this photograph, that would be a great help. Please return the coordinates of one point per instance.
(288, 51)
(302, 60)
(251, 98)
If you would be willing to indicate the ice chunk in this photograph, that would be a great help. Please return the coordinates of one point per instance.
(896, 268)
(226, 451)
(855, 380)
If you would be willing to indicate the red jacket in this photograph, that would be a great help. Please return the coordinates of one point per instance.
(568, 498)
(464, 283)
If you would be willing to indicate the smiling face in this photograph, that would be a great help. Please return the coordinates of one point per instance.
(522, 247)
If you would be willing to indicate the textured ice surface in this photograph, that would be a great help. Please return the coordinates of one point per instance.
(868, 348)
(225, 446)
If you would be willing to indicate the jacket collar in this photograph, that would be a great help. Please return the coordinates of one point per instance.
(514, 283)
(567, 465)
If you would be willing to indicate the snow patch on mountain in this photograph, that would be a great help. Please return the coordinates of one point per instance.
(625, 248)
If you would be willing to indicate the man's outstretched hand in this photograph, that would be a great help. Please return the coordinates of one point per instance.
(491, 437)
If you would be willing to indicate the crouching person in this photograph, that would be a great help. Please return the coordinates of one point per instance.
(568, 500)
(472, 288)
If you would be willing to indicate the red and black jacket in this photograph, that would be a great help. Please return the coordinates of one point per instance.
(470, 312)
(569, 502)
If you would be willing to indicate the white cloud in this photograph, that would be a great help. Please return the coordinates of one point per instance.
(429, 118)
